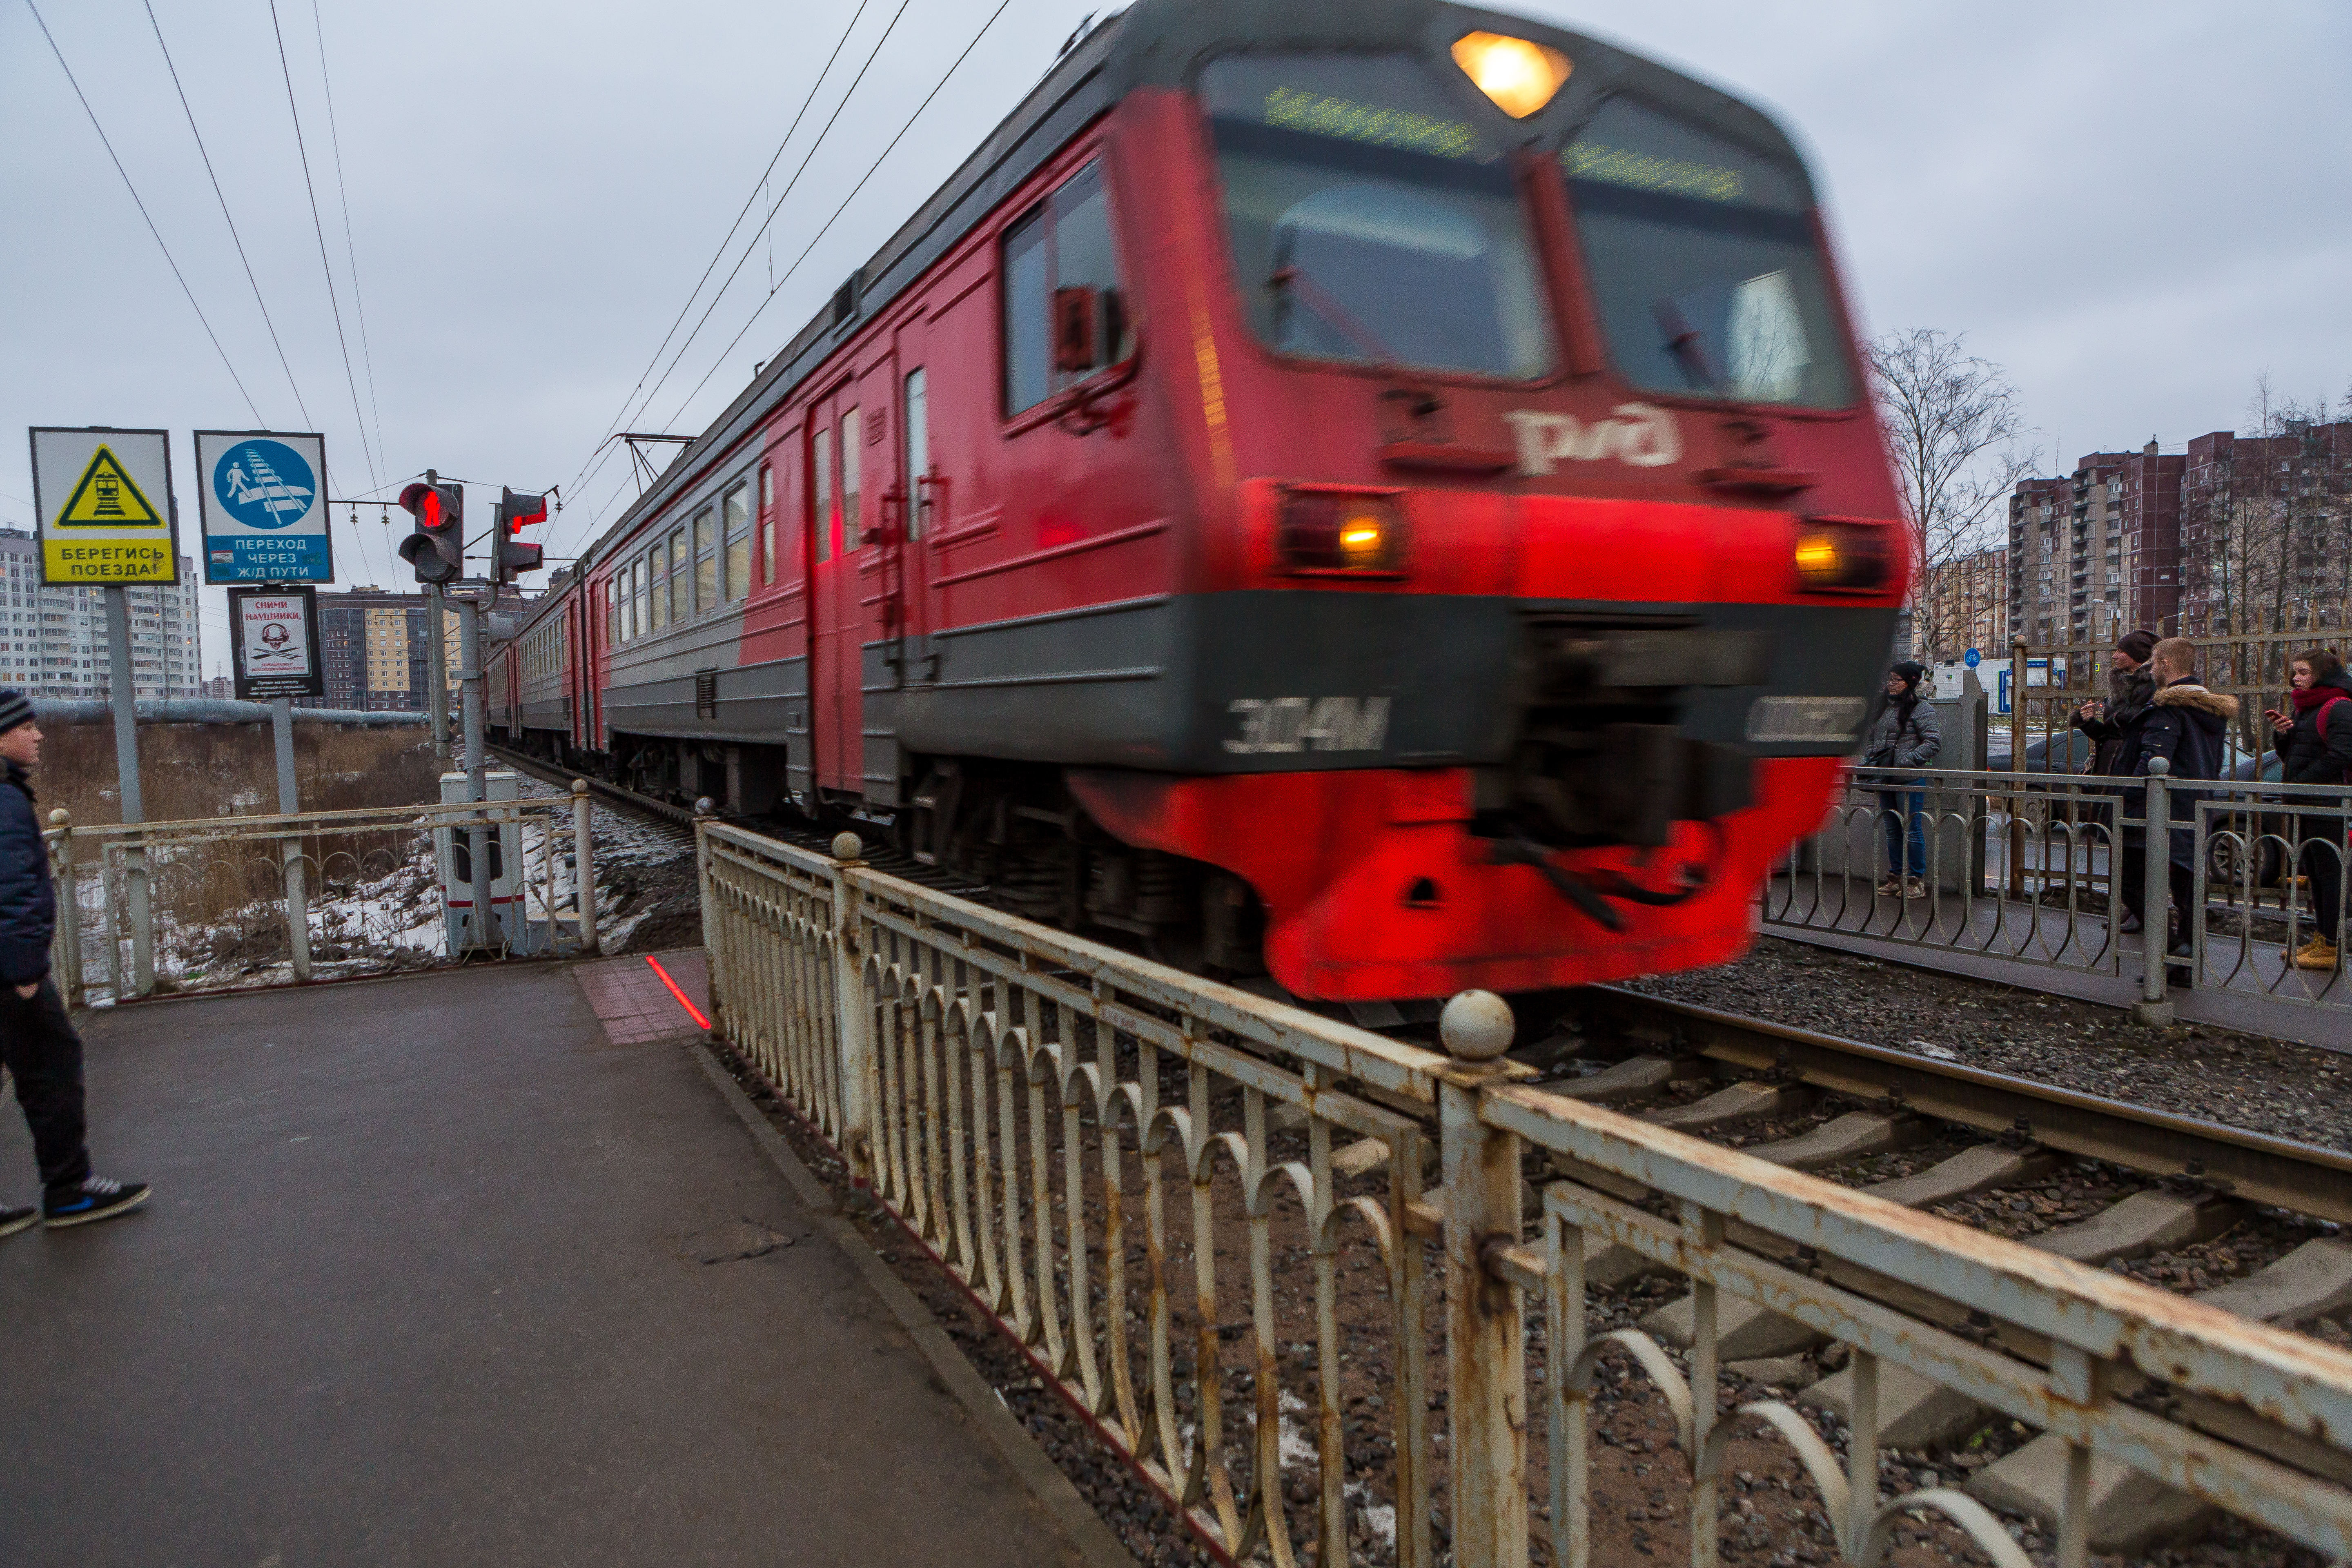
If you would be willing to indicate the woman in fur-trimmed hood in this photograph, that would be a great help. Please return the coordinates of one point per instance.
(2189, 727)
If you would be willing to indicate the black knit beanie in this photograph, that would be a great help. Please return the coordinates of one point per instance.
(2140, 645)
(15, 708)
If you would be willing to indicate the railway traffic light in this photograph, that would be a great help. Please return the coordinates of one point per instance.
(436, 546)
(509, 554)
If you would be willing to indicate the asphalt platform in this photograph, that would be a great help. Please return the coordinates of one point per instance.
(439, 1273)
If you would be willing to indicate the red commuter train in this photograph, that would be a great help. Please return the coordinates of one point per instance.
(1375, 490)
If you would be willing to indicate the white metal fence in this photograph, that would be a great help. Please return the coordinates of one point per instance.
(224, 902)
(1203, 1216)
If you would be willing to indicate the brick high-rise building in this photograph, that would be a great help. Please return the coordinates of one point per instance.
(2266, 529)
(2097, 553)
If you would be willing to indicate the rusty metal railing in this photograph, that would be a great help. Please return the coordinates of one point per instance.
(1202, 1215)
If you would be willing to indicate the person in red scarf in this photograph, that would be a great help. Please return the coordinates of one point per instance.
(2314, 746)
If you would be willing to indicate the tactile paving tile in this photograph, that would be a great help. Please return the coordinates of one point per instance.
(633, 1006)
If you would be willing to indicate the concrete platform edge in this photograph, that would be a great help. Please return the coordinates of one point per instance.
(1053, 1490)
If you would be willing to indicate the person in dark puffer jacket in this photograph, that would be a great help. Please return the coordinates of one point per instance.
(2188, 726)
(2314, 746)
(37, 1042)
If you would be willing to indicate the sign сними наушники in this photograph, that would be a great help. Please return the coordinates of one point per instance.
(274, 642)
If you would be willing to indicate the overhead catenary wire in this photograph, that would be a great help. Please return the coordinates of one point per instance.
(144, 214)
(838, 211)
(599, 459)
(300, 405)
(874, 54)
(319, 227)
(600, 511)
(350, 250)
(719, 253)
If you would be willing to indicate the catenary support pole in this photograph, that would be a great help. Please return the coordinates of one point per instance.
(290, 801)
(125, 697)
(477, 834)
(437, 686)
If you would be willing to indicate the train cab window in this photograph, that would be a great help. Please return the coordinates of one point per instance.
(767, 523)
(1065, 310)
(918, 450)
(658, 575)
(735, 509)
(681, 589)
(1706, 270)
(705, 561)
(1371, 221)
(822, 521)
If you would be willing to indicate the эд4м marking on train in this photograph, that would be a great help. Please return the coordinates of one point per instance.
(1375, 491)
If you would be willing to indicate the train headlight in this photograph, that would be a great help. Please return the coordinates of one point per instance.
(1358, 532)
(1833, 556)
(1520, 77)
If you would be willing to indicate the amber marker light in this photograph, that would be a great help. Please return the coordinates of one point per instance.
(1519, 75)
(1835, 557)
(1319, 531)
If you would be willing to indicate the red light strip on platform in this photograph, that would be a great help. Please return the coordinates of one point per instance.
(695, 1012)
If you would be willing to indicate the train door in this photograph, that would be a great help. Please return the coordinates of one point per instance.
(836, 465)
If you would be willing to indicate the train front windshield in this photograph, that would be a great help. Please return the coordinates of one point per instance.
(1369, 221)
(1706, 271)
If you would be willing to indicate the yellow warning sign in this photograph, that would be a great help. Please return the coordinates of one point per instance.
(108, 497)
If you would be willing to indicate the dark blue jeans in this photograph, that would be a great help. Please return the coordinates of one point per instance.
(1898, 810)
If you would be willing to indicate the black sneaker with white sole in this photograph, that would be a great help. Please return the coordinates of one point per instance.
(94, 1197)
(13, 1220)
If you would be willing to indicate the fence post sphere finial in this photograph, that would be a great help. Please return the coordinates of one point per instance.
(60, 818)
(579, 786)
(705, 806)
(847, 846)
(1476, 1025)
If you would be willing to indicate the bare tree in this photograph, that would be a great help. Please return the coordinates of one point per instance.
(1953, 424)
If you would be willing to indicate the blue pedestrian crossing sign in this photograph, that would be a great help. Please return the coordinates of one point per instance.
(264, 498)
(1973, 658)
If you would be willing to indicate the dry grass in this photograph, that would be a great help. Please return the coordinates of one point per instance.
(192, 770)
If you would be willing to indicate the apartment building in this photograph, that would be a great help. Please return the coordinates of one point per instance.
(2266, 529)
(1963, 604)
(376, 649)
(2095, 553)
(53, 640)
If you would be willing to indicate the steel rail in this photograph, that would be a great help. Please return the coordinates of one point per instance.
(611, 792)
(2252, 1166)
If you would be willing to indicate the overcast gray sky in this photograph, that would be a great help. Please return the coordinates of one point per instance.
(2135, 208)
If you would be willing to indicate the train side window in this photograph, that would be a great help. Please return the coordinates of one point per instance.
(1027, 378)
(821, 523)
(852, 441)
(736, 508)
(919, 449)
(681, 593)
(612, 617)
(767, 523)
(637, 582)
(1065, 311)
(658, 575)
(705, 561)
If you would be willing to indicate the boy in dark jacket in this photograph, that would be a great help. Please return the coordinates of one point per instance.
(2189, 727)
(37, 1043)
